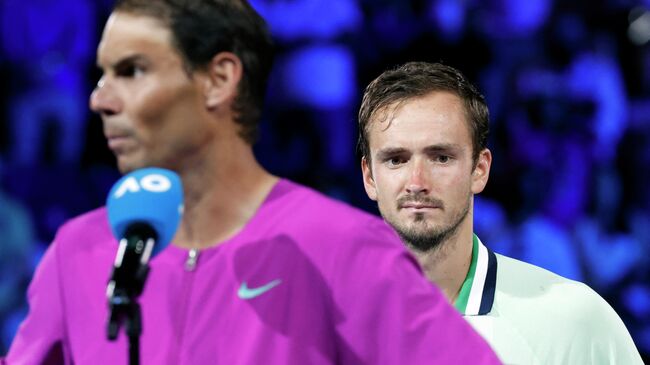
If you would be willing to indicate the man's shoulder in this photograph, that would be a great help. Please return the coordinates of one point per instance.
(555, 300)
(521, 280)
(512, 271)
(550, 310)
(89, 219)
(327, 227)
(310, 206)
(519, 277)
(87, 228)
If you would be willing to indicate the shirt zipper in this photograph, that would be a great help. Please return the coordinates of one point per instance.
(192, 258)
(190, 266)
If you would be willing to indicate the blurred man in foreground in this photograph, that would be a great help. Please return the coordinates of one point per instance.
(261, 270)
(423, 132)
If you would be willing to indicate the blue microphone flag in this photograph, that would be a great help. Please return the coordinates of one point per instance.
(152, 196)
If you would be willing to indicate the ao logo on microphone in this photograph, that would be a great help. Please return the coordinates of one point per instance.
(154, 183)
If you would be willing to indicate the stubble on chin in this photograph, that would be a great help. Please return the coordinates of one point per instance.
(421, 236)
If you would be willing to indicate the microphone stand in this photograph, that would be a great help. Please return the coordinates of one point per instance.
(126, 285)
(126, 310)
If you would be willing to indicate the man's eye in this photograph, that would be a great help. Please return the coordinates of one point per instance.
(394, 161)
(443, 159)
(130, 70)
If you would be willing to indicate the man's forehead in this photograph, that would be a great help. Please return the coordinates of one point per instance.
(127, 33)
(431, 101)
(409, 119)
(382, 119)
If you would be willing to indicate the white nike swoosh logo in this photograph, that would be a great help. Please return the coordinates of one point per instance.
(246, 293)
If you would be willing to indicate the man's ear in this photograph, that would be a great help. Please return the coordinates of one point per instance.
(224, 73)
(481, 172)
(368, 179)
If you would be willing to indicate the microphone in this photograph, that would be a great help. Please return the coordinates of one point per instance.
(144, 210)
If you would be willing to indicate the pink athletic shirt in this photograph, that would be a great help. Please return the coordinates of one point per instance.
(308, 280)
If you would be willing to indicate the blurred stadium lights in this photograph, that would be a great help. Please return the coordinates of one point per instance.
(639, 30)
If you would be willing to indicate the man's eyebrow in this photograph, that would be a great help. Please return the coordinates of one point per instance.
(390, 151)
(444, 147)
(123, 61)
(437, 148)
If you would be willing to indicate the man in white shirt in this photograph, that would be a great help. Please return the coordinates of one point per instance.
(423, 139)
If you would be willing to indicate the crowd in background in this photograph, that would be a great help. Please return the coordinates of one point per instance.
(567, 83)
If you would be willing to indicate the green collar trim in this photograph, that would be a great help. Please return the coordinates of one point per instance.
(476, 295)
(466, 288)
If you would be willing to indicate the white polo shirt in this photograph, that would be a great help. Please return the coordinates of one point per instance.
(532, 316)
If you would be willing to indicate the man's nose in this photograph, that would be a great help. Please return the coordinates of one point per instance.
(103, 100)
(419, 179)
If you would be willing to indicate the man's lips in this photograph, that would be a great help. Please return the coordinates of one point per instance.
(416, 203)
(117, 142)
(419, 206)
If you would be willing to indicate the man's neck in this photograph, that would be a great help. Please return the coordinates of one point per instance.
(223, 191)
(448, 264)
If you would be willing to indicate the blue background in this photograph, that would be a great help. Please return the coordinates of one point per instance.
(568, 85)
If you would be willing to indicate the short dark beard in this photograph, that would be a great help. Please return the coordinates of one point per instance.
(432, 239)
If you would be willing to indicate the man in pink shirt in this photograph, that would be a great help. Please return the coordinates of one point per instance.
(261, 270)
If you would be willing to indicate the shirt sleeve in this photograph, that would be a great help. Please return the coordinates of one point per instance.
(41, 337)
(390, 313)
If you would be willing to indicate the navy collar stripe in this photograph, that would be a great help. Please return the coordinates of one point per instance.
(490, 285)
(480, 298)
